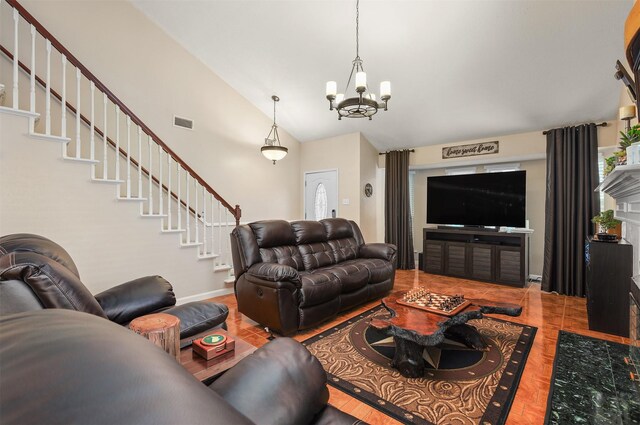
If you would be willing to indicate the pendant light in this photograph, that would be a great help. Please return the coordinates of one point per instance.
(272, 149)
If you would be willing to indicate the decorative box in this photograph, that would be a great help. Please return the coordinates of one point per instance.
(214, 345)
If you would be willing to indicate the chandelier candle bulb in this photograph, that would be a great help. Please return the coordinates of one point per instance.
(361, 81)
(332, 89)
(627, 112)
(385, 90)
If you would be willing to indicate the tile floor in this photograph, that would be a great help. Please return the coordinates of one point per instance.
(550, 313)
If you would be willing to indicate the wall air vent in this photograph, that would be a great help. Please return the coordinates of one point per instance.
(183, 122)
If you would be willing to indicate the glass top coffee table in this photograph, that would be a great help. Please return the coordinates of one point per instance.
(413, 328)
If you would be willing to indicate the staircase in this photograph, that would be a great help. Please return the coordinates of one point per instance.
(67, 105)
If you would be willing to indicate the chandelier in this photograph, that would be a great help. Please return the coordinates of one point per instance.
(272, 150)
(363, 105)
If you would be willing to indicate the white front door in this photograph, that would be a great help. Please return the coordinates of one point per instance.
(320, 194)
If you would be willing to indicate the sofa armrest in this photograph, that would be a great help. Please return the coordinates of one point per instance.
(274, 272)
(383, 251)
(125, 302)
(280, 383)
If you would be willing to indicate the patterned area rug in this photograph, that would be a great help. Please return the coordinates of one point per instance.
(468, 386)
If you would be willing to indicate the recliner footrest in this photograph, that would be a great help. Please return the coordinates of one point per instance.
(198, 316)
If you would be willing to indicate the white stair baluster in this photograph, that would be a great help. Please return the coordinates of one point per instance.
(161, 198)
(219, 259)
(117, 143)
(78, 141)
(32, 90)
(204, 221)
(169, 197)
(150, 176)
(16, 97)
(47, 98)
(128, 156)
(92, 133)
(63, 130)
(179, 197)
(226, 228)
(195, 214)
(188, 212)
(139, 162)
(105, 161)
(212, 229)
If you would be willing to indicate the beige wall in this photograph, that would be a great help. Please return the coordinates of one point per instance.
(157, 78)
(356, 161)
(368, 171)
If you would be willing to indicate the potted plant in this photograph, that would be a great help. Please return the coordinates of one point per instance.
(607, 225)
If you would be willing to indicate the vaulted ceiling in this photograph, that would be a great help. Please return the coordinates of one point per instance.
(459, 70)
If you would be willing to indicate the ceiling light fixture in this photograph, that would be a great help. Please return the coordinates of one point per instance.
(272, 149)
(364, 105)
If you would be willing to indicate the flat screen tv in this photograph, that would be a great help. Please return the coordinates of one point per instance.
(489, 199)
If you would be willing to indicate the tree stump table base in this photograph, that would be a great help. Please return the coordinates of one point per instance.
(161, 329)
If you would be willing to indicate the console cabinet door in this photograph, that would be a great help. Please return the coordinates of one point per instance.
(456, 259)
(509, 265)
(482, 262)
(433, 257)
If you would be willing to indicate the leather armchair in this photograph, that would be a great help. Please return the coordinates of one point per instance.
(36, 273)
(61, 366)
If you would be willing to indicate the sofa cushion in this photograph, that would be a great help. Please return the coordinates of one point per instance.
(344, 249)
(337, 228)
(308, 231)
(379, 270)
(318, 287)
(271, 233)
(288, 255)
(351, 276)
(317, 255)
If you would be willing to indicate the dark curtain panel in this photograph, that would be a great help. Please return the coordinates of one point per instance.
(572, 176)
(398, 229)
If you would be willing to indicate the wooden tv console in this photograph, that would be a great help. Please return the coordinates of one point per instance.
(489, 256)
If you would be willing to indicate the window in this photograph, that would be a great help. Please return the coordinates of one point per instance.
(502, 168)
(320, 202)
(460, 171)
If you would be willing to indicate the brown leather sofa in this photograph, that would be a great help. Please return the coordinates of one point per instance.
(67, 367)
(291, 276)
(37, 273)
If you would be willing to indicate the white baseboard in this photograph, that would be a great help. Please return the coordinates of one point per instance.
(535, 277)
(204, 295)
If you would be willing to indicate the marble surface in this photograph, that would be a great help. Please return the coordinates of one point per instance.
(591, 383)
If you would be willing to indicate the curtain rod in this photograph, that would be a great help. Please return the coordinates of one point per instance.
(384, 153)
(602, 124)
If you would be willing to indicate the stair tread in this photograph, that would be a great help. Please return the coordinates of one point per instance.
(50, 137)
(222, 267)
(124, 198)
(153, 215)
(87, 160)
(173, 230)
(97, 180)
(207, 256)
(19, 112)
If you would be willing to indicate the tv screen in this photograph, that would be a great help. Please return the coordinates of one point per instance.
(490, 199)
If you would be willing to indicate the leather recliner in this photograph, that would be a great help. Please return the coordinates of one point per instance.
(37, 273)
(68, 367)
(291, 276)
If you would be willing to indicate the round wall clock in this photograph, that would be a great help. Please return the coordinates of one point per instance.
(368, 190)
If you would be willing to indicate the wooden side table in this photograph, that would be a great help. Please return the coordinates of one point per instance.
(162, 329)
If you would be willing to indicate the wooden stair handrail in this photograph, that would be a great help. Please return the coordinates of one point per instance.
(114, 99)
(113, 144)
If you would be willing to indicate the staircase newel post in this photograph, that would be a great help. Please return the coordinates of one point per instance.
(161, 195)
(169, 200)
(195, 214)
(238, 214)
(150, 175)
(187, 211)
(204, 221)
(139, 162)
(179, 177)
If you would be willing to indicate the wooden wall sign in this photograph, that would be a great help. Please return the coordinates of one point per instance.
(473, 149)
